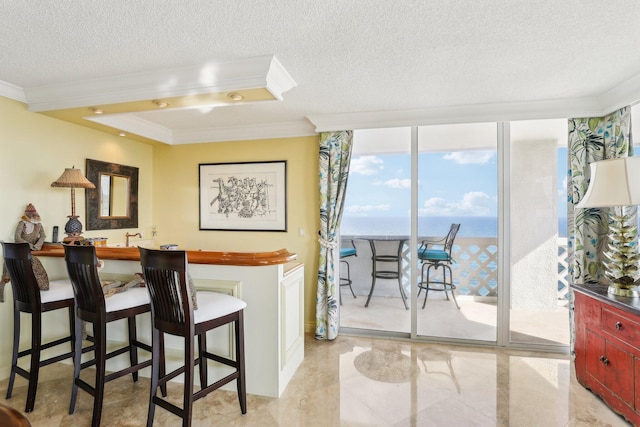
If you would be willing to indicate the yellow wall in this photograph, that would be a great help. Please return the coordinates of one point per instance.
(35, 149)
(176, 205)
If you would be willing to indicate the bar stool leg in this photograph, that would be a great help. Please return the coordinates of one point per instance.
(100, 333)
(202, 361)
(14, 353)
(155, 371)
(345, 281)
(77, 362)
(450, 283)
(36, 341)
(133, 348)
(242, 387)
(187, 403)
(426, 288)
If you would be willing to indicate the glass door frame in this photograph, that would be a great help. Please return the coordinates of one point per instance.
(503, 152)
(502, 310)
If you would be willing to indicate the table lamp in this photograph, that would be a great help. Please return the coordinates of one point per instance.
(73, 178)
(616, 183)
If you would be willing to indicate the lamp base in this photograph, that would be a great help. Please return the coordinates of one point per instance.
(625, 286)
(73, 229)
(630, 291)
(621, 256)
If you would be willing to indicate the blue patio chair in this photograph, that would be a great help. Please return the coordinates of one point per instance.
(434, 258)
(346, 252)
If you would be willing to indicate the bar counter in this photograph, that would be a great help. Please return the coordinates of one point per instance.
(281, 256)
(271, 283)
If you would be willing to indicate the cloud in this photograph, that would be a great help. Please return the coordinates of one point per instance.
(470, 157)
(365, 209)
(398, 183)
(562, 191)
(475, 203)
(366, 165)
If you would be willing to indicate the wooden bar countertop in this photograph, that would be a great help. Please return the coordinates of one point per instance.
(281, 256)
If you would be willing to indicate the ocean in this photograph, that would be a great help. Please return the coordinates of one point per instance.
(471, 226)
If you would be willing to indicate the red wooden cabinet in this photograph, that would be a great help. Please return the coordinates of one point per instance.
(607, 349)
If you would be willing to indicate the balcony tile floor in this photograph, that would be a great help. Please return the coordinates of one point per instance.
(440, 318)
(357, 381)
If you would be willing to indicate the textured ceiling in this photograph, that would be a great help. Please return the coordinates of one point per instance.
(356, 63)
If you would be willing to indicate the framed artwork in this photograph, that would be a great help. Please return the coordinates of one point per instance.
(249, 196)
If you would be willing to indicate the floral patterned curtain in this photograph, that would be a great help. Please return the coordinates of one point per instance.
(335, 156)
(591, 140)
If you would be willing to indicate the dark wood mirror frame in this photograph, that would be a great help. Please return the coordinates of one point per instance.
(92, 196)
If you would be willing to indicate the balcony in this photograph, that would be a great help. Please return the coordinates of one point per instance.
(538, 315)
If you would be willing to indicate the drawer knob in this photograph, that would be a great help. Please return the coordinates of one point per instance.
(618, 325)
(604, 360)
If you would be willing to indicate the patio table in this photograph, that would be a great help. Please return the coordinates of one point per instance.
(386, 271)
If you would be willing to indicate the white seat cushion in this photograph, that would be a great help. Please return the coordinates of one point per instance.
(58, 290)
(132, 297)
(212, 305)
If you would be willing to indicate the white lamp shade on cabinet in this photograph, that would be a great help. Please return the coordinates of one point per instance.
(614, 182)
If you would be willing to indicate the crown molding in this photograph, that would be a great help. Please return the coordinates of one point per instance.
(135, 125)
(278, 80)
(243, 133)
(580, 107)
(14, 92)
(212, 77)
(626, 93)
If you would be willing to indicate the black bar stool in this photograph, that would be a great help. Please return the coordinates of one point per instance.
(28, 298)
(92, 307)
(433, 258)
(172, 303)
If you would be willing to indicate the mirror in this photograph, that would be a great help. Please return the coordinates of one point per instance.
(114, 196)
(113, 203)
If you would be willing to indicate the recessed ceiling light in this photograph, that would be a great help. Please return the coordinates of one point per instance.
(122, 134)
(235, 96)
(160, 104)
(96, 110)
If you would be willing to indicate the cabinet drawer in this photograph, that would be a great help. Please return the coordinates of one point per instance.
(587, 311)
(621, 327)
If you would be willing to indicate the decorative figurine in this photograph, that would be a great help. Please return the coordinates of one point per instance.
(31, 231)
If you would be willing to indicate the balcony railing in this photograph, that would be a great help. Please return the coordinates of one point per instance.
(475, 271)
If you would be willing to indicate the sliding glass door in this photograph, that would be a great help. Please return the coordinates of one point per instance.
(539, 292)
(501, 279)
(458, 185)
(376, 222)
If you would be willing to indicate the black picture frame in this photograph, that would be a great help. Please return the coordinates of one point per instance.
(96, 221)
(245, 196)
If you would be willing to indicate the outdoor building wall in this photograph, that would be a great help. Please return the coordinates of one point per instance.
(534, 225)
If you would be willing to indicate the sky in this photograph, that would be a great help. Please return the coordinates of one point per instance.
(461, 183)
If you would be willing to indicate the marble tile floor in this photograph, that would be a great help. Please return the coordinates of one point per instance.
(357, 381)
(440, 318)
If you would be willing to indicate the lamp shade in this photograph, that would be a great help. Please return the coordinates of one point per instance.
(614, 182)
(72, 178)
